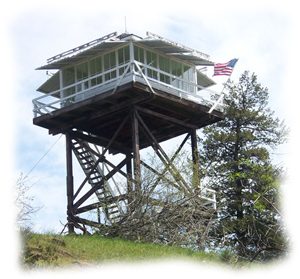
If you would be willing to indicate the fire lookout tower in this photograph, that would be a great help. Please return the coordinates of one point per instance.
(119, 95)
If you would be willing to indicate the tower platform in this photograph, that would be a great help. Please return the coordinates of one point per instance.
(167, 115)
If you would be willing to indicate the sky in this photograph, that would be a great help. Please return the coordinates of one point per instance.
(263, 36)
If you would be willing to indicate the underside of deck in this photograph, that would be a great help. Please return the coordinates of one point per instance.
(97, 118)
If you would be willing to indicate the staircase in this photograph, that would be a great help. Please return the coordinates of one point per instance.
(87, 160)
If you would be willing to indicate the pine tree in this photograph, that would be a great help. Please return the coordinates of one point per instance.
(236, 162)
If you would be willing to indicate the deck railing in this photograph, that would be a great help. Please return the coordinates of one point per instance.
(209, 197)
(131, 71)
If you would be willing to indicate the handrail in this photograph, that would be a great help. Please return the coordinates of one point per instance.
(209, 195)
(38, 106)
(55, 102)
(188, 83)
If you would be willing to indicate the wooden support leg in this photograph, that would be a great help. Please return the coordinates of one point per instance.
(70, 186)
(129, 177)
(136, 151)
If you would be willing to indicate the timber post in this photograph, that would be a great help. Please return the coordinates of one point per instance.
(136, 152)
(70, 186)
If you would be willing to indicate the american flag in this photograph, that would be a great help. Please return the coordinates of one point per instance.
(224, 69)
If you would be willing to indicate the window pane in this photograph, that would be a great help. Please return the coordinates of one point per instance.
(82, 73)
(176, 71)
(109, 63)
(96, 69)
(96, 66)
(176, 68)
(151, 61)
(69, 76)
(164, 65)
(109, 60)
(68, 79)
(112, 57)
(123, 58)
(139, 54)
(123, 55)
(140, 57)
(188, 75)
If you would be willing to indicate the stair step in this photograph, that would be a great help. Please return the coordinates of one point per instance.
(111, 206)
(87, 162)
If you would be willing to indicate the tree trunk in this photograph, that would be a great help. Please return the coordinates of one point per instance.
(238, 192)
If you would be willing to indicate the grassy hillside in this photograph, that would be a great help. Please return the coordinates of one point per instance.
(78, 250)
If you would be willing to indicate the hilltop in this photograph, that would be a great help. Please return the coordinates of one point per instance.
(51, 251)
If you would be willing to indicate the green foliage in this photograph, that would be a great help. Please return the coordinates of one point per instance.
(37, 251)
(236, 162)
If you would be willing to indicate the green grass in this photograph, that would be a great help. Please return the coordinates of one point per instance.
(59, 251)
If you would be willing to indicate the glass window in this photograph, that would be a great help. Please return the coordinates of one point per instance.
(139, 54)
(151, 61)
(96, 66)
(123, 58)
(164, 65)
(176, 71)
(69, 76)
(176, 68)
(68, 79)
(188, 75)
(82, 73)
(109, 63)
(96, 69)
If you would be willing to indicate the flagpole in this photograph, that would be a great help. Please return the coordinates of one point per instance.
(222, 94)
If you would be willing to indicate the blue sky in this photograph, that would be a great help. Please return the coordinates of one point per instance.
(262, 36)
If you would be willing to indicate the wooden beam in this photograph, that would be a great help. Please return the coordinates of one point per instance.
(100, 203)
(96, 188)
(115, 167)
(115, 147)
(93, 116)
(166, 118)
(162, 174)
(163, 156)
(136, 150)
(129, 177)
(160, 177)
(70, 183)
(87, 222)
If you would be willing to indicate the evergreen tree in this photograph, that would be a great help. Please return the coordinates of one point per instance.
(235, 161)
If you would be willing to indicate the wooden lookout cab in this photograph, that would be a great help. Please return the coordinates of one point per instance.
(119, 95)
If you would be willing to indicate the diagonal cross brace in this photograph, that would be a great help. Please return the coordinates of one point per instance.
(172, 160)
(96, 188)
(161, 154)
(101, 157)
